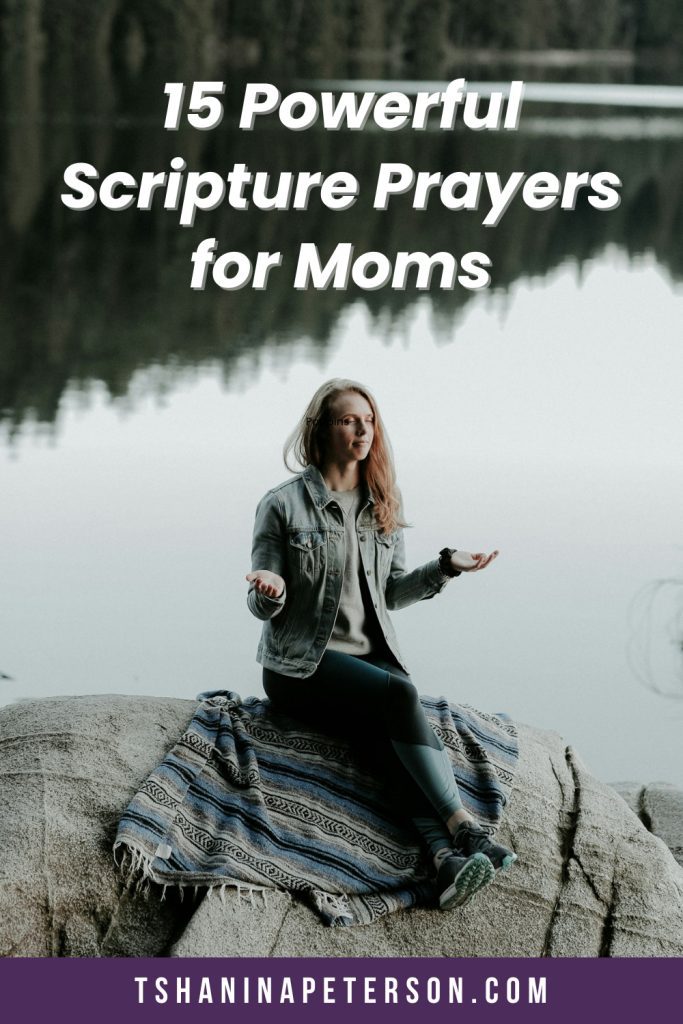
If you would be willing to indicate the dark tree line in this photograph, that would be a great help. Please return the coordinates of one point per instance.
(328, 37)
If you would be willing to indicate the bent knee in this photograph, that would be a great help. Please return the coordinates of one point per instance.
(403, 695)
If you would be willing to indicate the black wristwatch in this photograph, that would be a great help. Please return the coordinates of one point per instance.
(445, 562)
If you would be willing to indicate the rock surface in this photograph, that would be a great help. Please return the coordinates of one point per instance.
(591, 880)
(660, 808)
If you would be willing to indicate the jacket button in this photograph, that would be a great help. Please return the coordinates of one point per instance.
(369, 572)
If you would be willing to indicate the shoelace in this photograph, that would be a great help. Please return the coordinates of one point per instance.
(471, 836)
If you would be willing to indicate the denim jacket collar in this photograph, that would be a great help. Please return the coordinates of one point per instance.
(318, 490)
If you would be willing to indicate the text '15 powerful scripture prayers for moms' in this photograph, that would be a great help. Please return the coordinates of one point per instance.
(194, 195)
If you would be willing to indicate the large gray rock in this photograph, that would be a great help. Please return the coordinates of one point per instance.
(591, 880)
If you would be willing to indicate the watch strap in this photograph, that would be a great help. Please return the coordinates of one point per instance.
(445, 563)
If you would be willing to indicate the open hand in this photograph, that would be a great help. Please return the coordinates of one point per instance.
(465, 562)
(267, 583)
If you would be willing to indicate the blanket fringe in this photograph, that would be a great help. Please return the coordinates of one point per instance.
(138, 874)
(330, 905)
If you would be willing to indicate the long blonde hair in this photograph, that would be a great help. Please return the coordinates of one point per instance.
(308, 441)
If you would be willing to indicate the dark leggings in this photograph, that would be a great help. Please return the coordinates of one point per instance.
(370, 700)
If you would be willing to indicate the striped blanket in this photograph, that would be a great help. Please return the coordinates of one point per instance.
(252, 799)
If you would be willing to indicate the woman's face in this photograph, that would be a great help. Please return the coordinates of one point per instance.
(351, 428)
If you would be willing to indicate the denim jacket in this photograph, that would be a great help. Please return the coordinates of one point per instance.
(299, 534)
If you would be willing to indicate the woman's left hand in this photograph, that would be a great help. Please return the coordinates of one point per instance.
(463, 561)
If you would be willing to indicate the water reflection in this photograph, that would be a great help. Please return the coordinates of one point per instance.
(100, 295)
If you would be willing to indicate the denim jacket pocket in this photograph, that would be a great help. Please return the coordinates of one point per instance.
(306, 550)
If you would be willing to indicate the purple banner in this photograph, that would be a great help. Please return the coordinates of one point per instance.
(335, 990)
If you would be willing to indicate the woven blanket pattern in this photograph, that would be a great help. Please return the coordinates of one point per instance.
(252, 799)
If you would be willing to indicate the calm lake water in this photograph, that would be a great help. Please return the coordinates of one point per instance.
(543, 417)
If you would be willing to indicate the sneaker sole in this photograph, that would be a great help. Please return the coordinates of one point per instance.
(476, 873)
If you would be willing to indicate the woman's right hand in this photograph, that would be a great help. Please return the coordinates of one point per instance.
(267, 583)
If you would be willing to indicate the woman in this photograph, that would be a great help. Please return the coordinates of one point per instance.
(328, 562)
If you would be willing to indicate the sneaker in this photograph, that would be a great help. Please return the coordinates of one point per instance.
(458, 878)
(470, 838)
